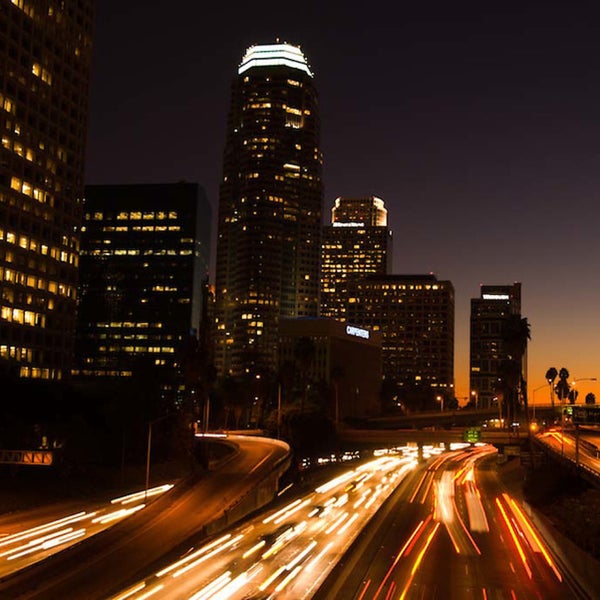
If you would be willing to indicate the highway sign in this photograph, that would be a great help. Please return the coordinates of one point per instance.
(472, 435)
(586, 415)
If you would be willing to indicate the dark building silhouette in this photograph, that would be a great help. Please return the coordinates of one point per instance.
(415, 315)
(489, 314)
(144, 263)
(270, 204)
(347, 361)
(357, 243)
(45, 62)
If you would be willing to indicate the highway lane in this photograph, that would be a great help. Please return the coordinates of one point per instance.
(22, 545)
(453, 534)
(565, 444)
(286, 552)
(112, 559)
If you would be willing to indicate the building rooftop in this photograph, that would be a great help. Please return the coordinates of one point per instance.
(273, 55)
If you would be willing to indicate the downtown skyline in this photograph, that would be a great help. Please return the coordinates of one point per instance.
(476, 127)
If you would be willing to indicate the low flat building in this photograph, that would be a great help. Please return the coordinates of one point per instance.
(347, 360)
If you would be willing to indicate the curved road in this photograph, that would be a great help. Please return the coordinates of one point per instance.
(119, 556)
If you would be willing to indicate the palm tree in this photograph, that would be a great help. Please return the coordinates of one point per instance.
(304, 355)
(551, 375)
(563, 388)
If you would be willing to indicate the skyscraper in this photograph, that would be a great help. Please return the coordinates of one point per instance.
(415, 314)
(489, 314)
(144, 258)
(270, 204)
(45, 62)
(357, 243)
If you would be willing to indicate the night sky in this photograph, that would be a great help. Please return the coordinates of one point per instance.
(478, 124)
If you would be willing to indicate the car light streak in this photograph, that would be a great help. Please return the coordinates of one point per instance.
(200, 560)
(17, 537)
(151, 592)
(292, 547)
(161, 489)
(254, 549)
(529, 528)
(290, 512)
(418, 561)
(412, 540)
(475, 511)
(464, 528)
(347, 524)
(424, 550)
(189, 557)
(236, 584)
(418, 487)
(37, 542)
(364, 590)
(287, 579)
(214, 586)
(317, 559)
(514, 538)
(282, 511)
(300, 556)
(118, 514)
(131, 591)
(267, 582)
(337, 523)
(50, 543)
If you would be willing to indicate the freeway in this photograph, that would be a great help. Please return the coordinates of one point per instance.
(111, 559)
(286, 552)
(565, 444)
(22, 546)
(453, 533)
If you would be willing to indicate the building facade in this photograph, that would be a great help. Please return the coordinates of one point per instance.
(415, 315)
(144, 264)
(489, 314)
(357, 243)
(45, 63)
(270, 205)
(347, 360)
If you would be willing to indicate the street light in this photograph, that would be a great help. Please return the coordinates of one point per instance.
(148, 451)
(581, 379)
(537, 389)
(475, 396)
(440, 399)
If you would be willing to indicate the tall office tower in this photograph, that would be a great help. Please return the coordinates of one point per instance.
(489, 314)
(45, 63)
(357, 243)
(144, 258)
(415, 314)
(270, 205)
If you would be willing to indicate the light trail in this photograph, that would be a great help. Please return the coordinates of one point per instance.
(525, 521)
(514, 537)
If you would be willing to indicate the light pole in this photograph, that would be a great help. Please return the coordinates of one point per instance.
(440, 399)
(148, 452)
(581, 379)
(475, 396)
(576, 424)
(537, 389)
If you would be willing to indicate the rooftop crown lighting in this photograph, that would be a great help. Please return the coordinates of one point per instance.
(274, 55)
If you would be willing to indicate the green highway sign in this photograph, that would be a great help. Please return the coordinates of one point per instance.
(586, 415)
(472, 435)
